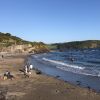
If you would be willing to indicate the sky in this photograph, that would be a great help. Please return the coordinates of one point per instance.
(51, 21)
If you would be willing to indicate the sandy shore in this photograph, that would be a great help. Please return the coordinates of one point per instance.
(37, 87)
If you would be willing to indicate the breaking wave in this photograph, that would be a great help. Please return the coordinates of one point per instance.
(63, 64)
(73, 68)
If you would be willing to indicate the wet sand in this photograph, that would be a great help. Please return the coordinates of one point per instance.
(38, 87)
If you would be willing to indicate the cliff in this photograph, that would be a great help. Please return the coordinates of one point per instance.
(13, 44)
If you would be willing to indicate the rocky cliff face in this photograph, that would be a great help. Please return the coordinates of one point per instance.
(13, 44)
(16, 48)
(26, 48)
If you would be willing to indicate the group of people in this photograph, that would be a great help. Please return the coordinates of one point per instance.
(27, 72)
(8, 75)
(28, 68)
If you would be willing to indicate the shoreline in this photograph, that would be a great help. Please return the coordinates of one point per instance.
(39, 87)
(52, 69)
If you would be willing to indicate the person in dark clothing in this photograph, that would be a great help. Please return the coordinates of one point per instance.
(2, 56)
(7, 75)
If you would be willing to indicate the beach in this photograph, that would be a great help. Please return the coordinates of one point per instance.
(38, 86)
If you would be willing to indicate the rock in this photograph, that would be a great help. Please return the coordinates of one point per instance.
(38, 71)
(78, 82)
(57, 76)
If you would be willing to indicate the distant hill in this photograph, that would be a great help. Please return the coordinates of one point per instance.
(8, 41)
(52, 46)
(78, 45)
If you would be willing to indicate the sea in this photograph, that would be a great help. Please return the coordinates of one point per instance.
(78, 67)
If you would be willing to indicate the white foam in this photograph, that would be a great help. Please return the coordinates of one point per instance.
(64, 64)
(76, 71)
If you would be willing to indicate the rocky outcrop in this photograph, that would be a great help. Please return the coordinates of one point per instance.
(13, 44)
(16, 48)
(26, 48)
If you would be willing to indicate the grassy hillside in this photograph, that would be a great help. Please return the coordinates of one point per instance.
(78, 45)
(6, 40)
(52, 46)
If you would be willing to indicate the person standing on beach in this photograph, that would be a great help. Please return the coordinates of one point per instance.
(26, 69)
(2, 56)
(30, 67)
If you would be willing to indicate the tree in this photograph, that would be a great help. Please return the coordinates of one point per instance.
(8, 34)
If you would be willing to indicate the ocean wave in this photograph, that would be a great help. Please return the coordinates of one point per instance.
(79, 71)
(63, 64)
(73, 68)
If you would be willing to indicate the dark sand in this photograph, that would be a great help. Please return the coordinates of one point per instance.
(38, 87)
